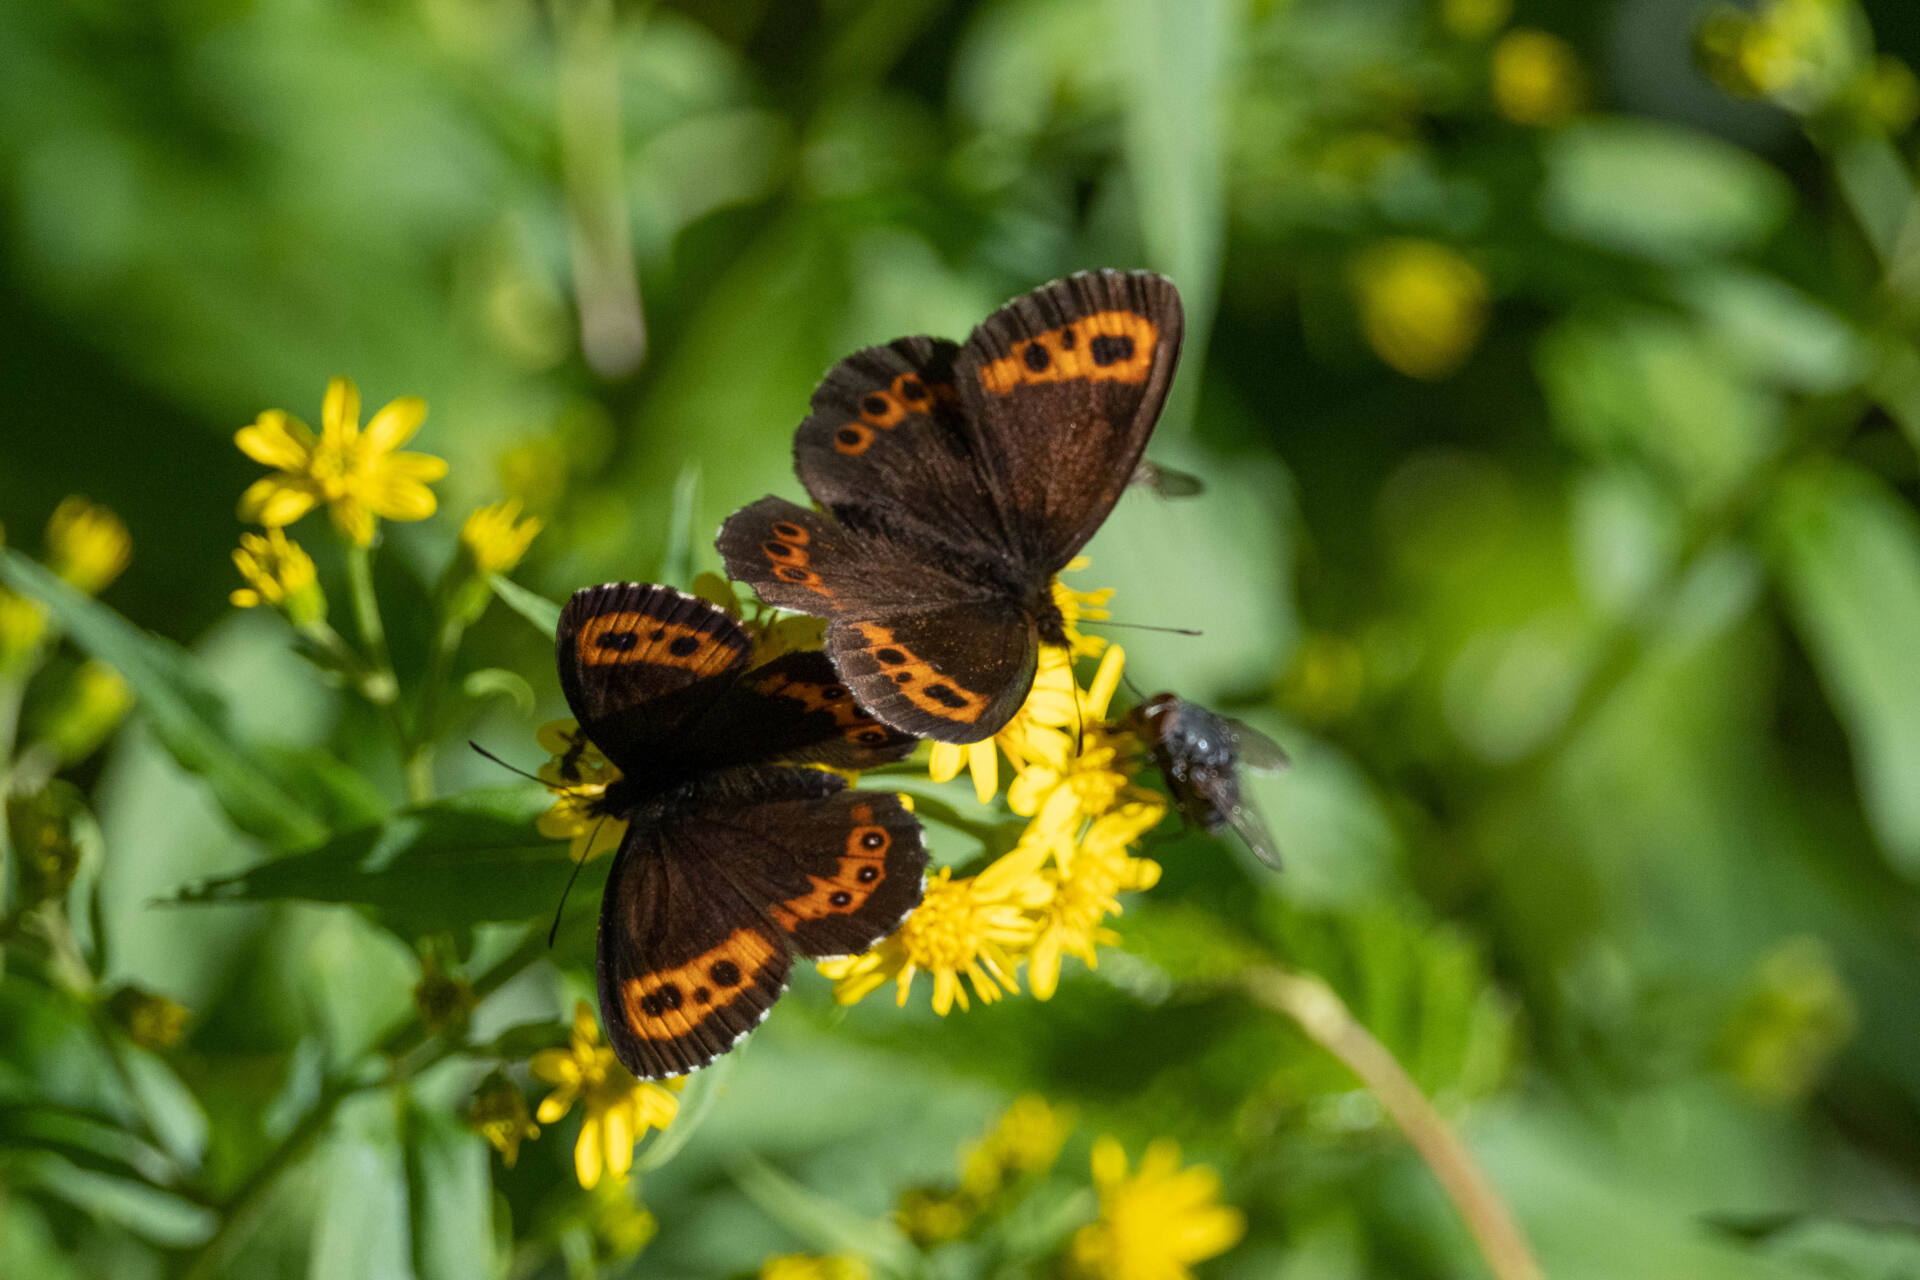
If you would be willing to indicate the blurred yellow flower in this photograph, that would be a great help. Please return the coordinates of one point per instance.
(496, 537)
(578, 775)
(974, 926)
(22, 624)
(1537, 79)
(621, 1223)
(1422, 305)
(1795, 1015)
(1472, 19)
(278, 572)
(1085, 889)
(499, 1114)
(928, 1216)
(801, 1266)
(619, 1108)
(86, 707)
(150, 1020)
(87, 544)
(358, 476)
(1156, 1223)
(1799, 54)
(1891, 94)
(1025, 1140)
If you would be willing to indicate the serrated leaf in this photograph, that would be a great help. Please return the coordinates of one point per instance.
(179, 702)
(470, 858)
(543, 613)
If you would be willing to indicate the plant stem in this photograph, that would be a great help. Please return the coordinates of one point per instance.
(407, 1054)
(380, 686)
(1327, 1021)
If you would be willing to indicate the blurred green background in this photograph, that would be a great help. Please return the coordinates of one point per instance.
(1552, 372)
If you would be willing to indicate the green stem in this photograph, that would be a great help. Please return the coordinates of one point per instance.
(947, 816)
(380, 686)
(407, 1052)
(1327, 1021)
(427, 717)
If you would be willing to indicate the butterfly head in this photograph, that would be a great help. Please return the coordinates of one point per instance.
(1050, 622)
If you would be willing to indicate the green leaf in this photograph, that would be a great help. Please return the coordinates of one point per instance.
(826, 1225)
(537, 609)
(696, 1104)
(449, 1197)
(470, 858)
(1692, 196)
(145, 1210)
(1832, 1249)
(676, 563)
(1848, 553)
(498, 682)
(180, 704)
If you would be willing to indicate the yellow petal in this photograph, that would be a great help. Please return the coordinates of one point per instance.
(587, 1162)
(1109, 1162)
(553, 1106)
(340, 412)
(277, 500)
(354, 520)
(943, 764)
(394, 425)
(984, 760)
(276, 440)
(396, 499)
(424, 467)
(617, 1133)
(243, 598)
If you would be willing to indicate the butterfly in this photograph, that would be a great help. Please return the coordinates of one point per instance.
(1200, 754)
(956, 480)
(734, 859)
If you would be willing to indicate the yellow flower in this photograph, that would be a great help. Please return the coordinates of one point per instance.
(280, 573)
(976, 926)
(1891, 94)
(1077, 606)
(619, 1108)
(358, 476)
(1422, 305)
(800, 1266)
(1537, 78)
(87, 544)
(499, 1114)
(1156, 1223)
(578, 775)
(496, 537)
(1085, 892)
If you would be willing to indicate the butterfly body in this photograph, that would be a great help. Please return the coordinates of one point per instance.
(1200, 754)
(735, 859)
(955, 481)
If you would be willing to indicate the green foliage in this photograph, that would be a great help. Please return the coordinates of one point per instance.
(1554, 378)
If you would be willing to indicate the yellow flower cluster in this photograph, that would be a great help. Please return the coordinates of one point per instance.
(1808, 56)
(495, 537)
(619, 1108)
(1422, 305)
(1537, 79)
(1049, 896)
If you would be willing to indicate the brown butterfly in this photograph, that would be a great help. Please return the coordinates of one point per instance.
(732, 863)
(957, 480)
(1200, 754)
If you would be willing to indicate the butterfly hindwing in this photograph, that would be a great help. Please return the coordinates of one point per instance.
(638, 662)
(954, 674)
(1063, 387)
(834, 870)
(686, 963)
(797, 708)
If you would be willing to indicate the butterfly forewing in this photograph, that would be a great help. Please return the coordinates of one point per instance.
(640, 662)
(954, 673)
(1063, 386)
(797, 708)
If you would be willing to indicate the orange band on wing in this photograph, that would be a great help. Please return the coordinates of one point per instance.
(855, 723)
(860, 870)
(611, 638)
(919, 681)
(1107, 346)
(662, 1005)
(789, 559)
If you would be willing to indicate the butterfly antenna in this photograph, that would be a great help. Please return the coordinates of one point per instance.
(1141, 626)
(510, 768)
(1138, 692)
(554, 932)
(1079, 720)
